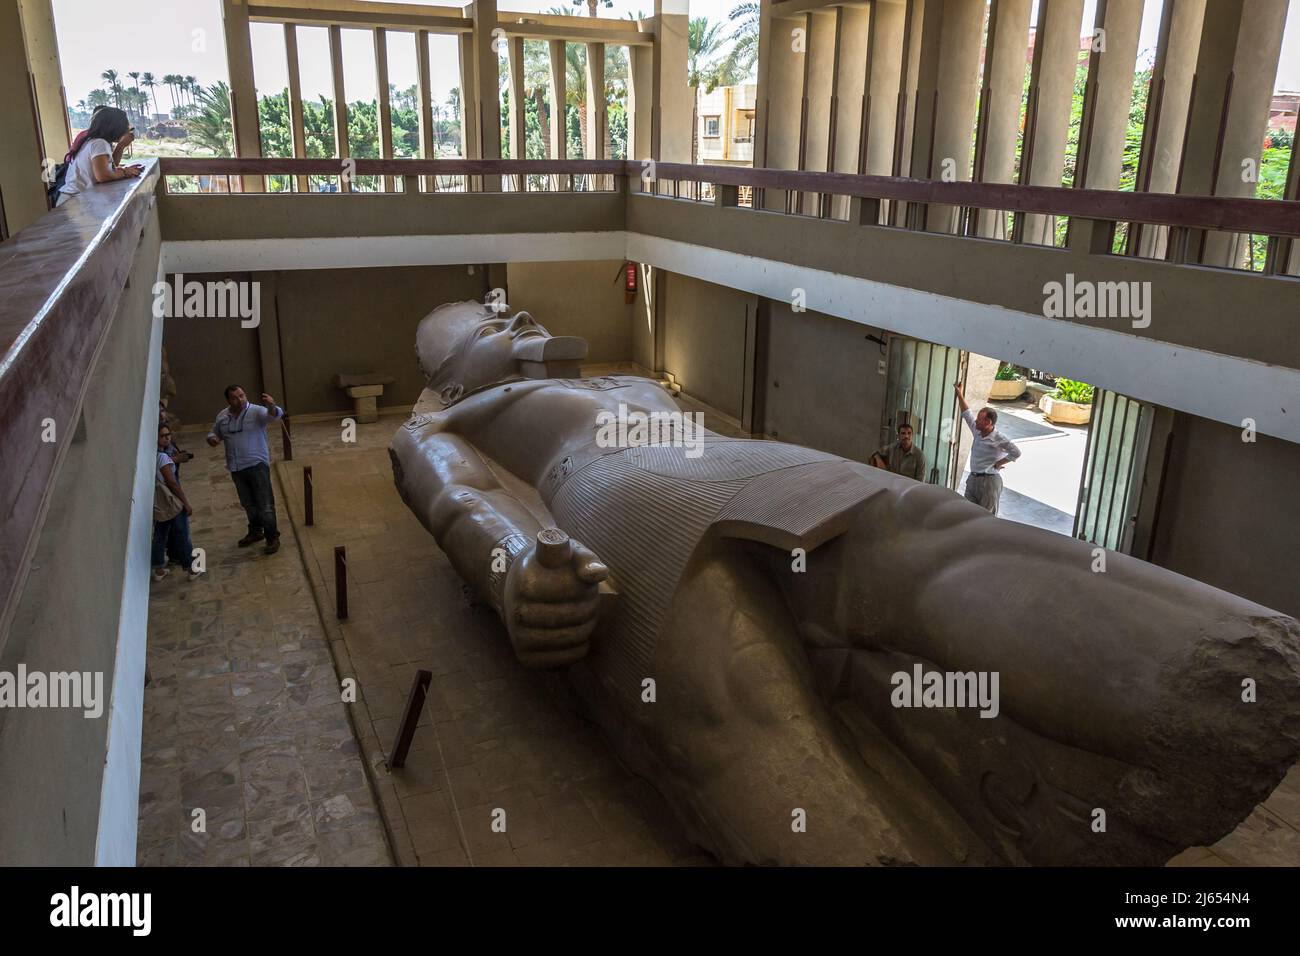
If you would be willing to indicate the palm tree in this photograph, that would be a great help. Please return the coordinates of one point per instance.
(744, 50)
(114, 89)
(453, 110)
(210, 126)
(170, 81)
(703, 41)
(192, 85)
(147, 80)
(136, 96)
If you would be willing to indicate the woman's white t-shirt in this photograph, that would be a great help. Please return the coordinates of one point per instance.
(81, 174)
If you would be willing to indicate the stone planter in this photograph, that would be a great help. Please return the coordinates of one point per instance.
(1005, 391)
(1065, 413)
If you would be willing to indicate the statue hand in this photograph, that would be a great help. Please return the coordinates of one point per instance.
(552, 596)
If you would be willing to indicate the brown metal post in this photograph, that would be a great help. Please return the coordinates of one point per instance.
(341, 582)
(286, 441)
(309, 511)
(410, 717)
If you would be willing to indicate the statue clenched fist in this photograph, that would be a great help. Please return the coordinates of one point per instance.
(552, 596)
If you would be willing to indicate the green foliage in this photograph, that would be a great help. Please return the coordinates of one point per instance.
(1068, 390)
(744, 51)
(210, 127)
(1007, 372)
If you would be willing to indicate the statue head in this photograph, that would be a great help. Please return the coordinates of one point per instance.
(466, 346)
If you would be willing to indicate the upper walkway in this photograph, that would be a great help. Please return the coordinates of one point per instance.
(1123, 301)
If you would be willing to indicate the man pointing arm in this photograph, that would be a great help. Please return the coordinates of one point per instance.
(990, 452)
(241, 426)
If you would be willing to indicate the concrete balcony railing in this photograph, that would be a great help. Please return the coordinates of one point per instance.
(79, 387)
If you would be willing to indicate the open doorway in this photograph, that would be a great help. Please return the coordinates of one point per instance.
(1042, 487)
(1085, 457)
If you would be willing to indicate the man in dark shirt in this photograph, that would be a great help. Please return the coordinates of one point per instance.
(902, 457)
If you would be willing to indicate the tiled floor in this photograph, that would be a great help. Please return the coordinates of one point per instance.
(244, 717)
(245, 731)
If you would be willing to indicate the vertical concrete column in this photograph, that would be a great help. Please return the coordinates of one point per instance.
(21, 149)
(424, 110)
(379, 37)
(821, 91)
(1047, 118)
(763, 85)
(880, 107)
(999, 119)
(558, 93)
(487, 86)
(850, 85)
(640, 101)
(47, 75)
(674, 107)
(518, 134)
(298, 131)
(821, 62)
(782, 111)
(851, 89)
(469, 141)
(1109, 94)
(243, 95)
(1165, 123)
(906, 110)
(342, 147)
(1235, 69)
(596, 105)
(946, 89)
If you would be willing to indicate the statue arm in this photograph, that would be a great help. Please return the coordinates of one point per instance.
(487, 534)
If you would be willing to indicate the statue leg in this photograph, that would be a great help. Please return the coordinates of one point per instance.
(744, 749)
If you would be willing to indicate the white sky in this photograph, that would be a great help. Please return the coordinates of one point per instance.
(185, 36)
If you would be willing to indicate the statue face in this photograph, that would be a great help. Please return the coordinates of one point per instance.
(486, 354)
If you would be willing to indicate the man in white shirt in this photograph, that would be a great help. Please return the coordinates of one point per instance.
(989, 452)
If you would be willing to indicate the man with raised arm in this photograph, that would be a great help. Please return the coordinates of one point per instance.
(990, 452)
(241, 426)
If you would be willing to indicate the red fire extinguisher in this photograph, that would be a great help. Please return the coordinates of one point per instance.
(629, 282)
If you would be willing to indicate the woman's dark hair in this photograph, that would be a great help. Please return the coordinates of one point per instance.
(109, 124)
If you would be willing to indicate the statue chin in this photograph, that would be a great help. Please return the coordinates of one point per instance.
(821, 662)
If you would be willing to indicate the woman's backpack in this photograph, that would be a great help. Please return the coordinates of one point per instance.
(56, 184)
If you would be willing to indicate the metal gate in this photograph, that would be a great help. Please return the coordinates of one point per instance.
(918, 391)
(1110, 491)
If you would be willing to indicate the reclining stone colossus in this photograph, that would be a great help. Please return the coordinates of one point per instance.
(746, 619)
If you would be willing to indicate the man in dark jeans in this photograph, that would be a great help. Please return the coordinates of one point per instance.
(242, 426)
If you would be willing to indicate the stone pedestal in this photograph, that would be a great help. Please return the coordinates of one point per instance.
(366, 408)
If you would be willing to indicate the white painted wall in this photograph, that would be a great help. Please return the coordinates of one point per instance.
(119, 800)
